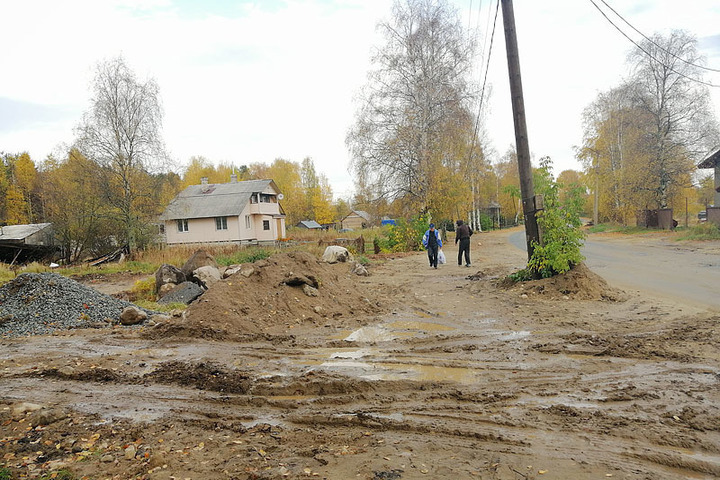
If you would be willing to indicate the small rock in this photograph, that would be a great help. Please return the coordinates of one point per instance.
(47, 416)
(22, 408)
(107, 458)
(247, 270)
(310, 291)
(132, 316)
(130, 452)
(159, 318)
(231, 270)
(359, 269)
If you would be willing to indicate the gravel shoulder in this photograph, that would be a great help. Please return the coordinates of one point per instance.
(447, 373)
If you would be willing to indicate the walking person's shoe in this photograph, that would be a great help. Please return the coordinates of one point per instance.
(468, 265)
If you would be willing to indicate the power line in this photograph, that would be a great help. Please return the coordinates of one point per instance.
(650, 54)
(659, 46)
(487, 68)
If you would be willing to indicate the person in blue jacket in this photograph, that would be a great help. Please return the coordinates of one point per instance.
(432, 242)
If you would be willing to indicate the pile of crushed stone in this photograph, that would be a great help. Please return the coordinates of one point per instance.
(40, 303)
(266, 297)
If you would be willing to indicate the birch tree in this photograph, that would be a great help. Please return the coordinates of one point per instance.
(122, 132)
(413, 123)
(667, 86)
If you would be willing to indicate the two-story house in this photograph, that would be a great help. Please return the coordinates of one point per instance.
(242, 213)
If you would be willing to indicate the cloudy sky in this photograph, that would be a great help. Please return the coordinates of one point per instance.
(248, 81)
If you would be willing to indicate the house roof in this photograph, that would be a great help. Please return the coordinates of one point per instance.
(711, 160)
(309, 224)
(359, 213)
(214, 200)
(12, 233)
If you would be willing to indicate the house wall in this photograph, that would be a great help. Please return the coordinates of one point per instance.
(353, 221)
(274, 233)
(203, 230)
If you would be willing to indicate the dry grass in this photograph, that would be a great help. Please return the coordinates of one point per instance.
(148, 261)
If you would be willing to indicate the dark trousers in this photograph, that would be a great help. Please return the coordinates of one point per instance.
(464, 248)
(432, 255)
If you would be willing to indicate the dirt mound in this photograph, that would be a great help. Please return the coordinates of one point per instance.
(279, 293)
(579, 283)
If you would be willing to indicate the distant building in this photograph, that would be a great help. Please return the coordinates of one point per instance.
(712, 214)
(355, 220)
(309, 224)
(246, 212)
(24, 243)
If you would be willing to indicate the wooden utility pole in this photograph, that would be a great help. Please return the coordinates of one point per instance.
(530, 202)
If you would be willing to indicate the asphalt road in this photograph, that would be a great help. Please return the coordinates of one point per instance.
(681, 272)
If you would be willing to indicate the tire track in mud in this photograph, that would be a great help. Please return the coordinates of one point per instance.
(527, 401)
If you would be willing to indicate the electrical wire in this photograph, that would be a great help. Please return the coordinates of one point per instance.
(650, 54)
(659, 46)
(487, 68)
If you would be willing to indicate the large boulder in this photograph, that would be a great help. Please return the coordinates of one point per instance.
(168, 274)
(207, 275)
(199, 259)
(335, 254)
(185, 293)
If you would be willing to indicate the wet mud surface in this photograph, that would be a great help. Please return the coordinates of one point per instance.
(447, 373)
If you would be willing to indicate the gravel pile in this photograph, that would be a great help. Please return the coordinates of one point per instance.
(40, 303)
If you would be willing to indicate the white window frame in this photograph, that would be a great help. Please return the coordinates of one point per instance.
(248, 223)
(182, 225)
(221, 223)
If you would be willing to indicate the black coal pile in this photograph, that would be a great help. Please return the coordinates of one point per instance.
(40, 303)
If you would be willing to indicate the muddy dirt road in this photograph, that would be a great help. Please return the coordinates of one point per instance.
(456, 376)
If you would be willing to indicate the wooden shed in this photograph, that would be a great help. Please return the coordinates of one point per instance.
(356, 220)
(29, 242)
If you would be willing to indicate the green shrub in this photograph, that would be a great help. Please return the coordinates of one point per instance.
(406, 236)
(5, 474)
(245, 255)
(559, 223)
(486, 222)
(144, 289)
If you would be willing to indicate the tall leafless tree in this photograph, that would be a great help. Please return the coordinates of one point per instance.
(416, 100)
(122, 132)
(668, 87)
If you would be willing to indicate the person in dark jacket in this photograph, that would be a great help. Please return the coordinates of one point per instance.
(431, 240)
(462, 234)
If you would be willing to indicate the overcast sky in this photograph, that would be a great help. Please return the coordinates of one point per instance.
(250, 81)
